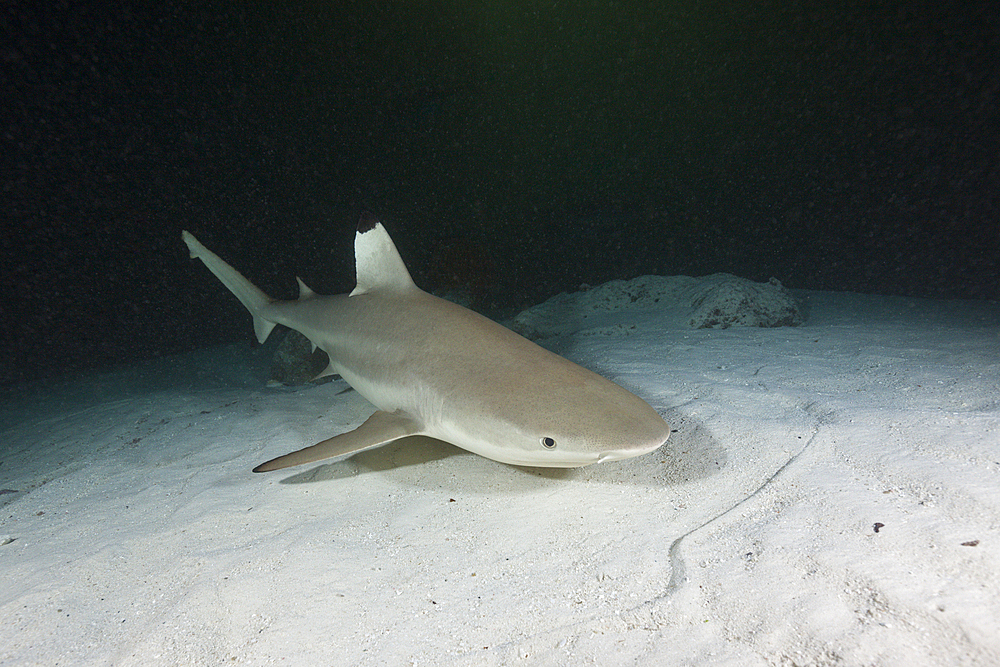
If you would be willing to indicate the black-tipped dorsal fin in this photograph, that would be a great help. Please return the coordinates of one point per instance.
(378, 264)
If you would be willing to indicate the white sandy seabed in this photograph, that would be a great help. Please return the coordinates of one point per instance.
(831, 496)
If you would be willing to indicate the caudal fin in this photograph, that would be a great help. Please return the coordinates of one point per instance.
(248, 294)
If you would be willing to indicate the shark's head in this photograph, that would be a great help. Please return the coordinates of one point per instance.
(563, 425)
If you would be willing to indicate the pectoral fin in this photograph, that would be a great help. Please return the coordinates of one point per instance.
(380, 429)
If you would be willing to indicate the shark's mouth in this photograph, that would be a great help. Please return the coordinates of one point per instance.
(619, 454)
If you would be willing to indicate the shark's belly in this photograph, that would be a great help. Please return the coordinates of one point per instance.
(391, 391)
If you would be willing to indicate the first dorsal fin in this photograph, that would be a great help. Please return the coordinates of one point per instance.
(378, 264)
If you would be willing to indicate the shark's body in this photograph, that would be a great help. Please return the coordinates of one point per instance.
(436, 369)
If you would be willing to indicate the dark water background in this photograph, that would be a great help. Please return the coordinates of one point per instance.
(513, 149)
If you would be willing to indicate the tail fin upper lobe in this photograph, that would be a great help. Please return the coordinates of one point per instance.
(248, 294)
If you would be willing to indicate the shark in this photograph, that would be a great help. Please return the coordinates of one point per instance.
(434, 368)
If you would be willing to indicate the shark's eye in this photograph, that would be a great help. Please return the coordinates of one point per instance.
(548, 443)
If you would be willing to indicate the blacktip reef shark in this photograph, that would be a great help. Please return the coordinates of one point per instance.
(434, 368)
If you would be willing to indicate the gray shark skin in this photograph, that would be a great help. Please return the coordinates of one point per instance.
(436, 369)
